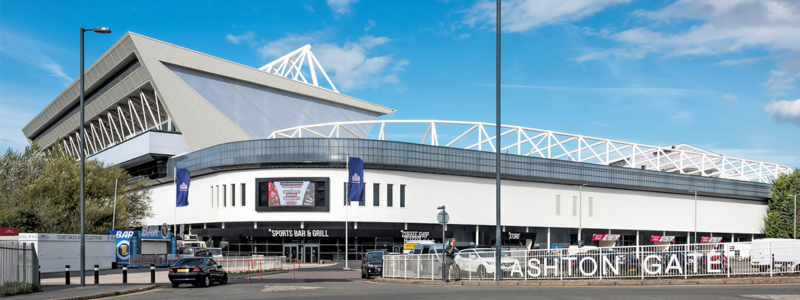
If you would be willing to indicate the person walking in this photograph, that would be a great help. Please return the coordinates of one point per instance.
(450, 260)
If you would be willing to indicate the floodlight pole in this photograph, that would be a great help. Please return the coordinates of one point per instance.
(83, 158)
(498, 269)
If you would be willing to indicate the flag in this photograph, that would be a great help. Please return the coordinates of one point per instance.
(356, 178)
(182, 184)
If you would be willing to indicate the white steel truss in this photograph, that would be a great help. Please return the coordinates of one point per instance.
(129, 118)
(556, 145)
(291, 66)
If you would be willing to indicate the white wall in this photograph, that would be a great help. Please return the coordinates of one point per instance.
(57, 250)
(469, 201)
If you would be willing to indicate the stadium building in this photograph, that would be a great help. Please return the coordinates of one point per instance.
(248, 134)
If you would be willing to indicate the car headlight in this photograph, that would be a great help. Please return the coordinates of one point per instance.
(371, 265)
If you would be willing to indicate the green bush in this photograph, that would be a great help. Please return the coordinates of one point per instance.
(11, 288)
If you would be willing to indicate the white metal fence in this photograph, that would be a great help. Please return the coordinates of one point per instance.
(719, 259)
(255, 264)
(18, 262)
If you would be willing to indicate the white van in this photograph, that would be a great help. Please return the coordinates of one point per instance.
(194, 244)
(771, 253)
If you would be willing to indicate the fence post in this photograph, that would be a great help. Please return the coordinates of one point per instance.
(96, 274)
(771, 260)
(641, 262)
(24, 263)
(259, 269)
(124, 274)
(152, 273)
(66, 273)
(405, 268)
(685, 266)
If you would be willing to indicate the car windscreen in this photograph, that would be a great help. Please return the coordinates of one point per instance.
(189, 261)
(185, 251)
(374, 256)
(216, 251)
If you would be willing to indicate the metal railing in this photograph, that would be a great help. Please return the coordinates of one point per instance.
(718, 259)
(18, 262)
(549, 144)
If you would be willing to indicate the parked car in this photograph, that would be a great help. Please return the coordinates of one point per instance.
(216, 253)
(200, 271)
(184, 252)
(481, 261)
(194, 244)
(372, 264)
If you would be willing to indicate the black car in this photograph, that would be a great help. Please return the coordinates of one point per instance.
(197, 271)
(372, 264)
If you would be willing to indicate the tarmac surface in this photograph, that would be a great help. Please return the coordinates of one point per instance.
(330, 281)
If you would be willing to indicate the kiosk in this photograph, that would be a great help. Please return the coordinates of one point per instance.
(139, 248)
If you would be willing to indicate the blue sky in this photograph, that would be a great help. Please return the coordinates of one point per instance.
(719, 75)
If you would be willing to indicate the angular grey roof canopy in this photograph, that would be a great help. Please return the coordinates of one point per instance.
(143, 84)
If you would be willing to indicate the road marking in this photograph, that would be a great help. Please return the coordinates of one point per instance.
(137, 293)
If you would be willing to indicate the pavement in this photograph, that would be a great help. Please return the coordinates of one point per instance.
(330, 281)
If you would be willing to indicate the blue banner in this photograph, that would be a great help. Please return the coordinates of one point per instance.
(355, 177)
(182, 185)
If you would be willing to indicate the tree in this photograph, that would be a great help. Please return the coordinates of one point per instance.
(40, 192)
(779, 221)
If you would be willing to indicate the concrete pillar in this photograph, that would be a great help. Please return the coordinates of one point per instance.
(204, 225)
(302, 224)
(255, 224)
(477, 235)
(223, 225)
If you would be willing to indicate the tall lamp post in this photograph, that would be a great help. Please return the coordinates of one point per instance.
(444, 224)
(794, 216)
(82, 158)
(580, 213)
(497, 252)
(695, 214)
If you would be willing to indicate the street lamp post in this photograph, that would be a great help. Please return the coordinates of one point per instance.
(580, 213)
(794, 216)
(695, 214)
(444, 222)
(82, 158)
(497, 251)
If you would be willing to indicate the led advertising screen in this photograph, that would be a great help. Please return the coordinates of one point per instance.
(292, 193)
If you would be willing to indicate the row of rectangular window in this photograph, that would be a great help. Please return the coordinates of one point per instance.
(215, 195)
(376, 195)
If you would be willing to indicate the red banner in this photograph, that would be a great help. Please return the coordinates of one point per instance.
(9, 231)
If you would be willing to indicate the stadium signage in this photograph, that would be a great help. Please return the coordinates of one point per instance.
(590, 266)
(298, 233)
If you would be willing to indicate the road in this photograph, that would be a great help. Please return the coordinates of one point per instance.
(334, 283)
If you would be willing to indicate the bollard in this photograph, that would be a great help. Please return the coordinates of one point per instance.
(96, 274)
(124, 274)
(66, 273)
(152, 273)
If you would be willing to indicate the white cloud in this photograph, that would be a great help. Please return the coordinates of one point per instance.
(463, 36)
(780, 80)
(730, 97)
(370, 24)
(12, 120)
(523, 15)
(351, 65)
(784, 111)
(23, 49)
(340, 7)
(238, 39)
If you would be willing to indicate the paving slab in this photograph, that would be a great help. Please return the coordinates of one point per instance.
(86, 292)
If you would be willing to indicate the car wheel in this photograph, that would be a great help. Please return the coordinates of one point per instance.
(481, 272)
(175, 285)
(206, 281)
(224, 279)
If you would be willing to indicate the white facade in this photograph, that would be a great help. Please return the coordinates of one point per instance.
(469, 201)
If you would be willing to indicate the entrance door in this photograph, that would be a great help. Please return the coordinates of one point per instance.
(290, 251)
(311, 254)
